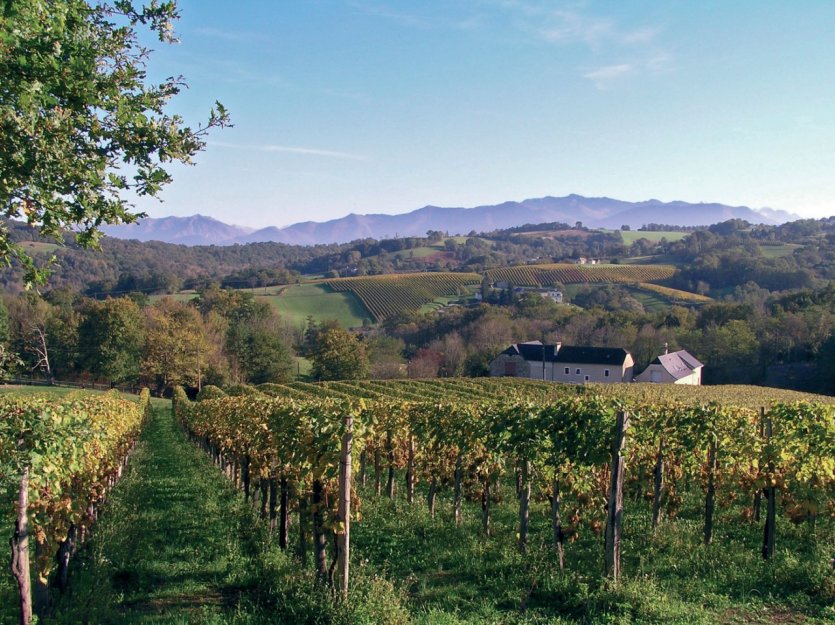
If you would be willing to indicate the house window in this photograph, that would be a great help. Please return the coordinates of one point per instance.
(587, 378)
(605, 373)
(567, 370)
(510, 368)
(577, 372)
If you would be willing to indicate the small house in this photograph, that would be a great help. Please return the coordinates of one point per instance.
(678, 367)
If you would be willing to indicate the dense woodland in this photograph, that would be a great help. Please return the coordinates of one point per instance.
(772, 321)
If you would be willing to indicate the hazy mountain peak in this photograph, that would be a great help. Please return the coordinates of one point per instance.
(594, 212)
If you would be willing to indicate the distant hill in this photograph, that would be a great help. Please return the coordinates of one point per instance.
(194, 230)
(593, 212)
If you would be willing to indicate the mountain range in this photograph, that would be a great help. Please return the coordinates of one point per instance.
(592, 212)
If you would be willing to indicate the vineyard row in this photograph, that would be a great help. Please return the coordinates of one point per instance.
(58, 461)
(390, 294)
(565, 273)
(577, 446)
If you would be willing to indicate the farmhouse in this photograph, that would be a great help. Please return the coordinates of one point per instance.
(673, 368)
(558, 363)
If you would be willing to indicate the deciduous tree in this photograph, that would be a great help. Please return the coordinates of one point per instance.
(111, 339)
(339, 355)
(176, 349)
(82, 129)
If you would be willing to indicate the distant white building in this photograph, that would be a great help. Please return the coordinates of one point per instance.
(678, 367)
(554, 296)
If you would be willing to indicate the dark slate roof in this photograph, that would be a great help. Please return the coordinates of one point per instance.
(678, 364)
(531, 351)
(592, 355)
(579, 355)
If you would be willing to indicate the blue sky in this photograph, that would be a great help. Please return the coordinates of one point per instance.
(369, 106)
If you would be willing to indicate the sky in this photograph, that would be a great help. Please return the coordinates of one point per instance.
(373, 106)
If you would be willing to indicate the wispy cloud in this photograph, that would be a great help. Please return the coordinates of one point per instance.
(603, 77)
(641, 35)
(230, 35)
(379, 10)
(287, 149)
(617, 52)
(458, 18)
(606, 77)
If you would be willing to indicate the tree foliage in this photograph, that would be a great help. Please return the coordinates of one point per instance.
(82, 128)
(339, 355)
(112, 334)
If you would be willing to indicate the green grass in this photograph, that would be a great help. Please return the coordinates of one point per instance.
(630, 236)
(653, 259)
(299, 301)
(779, 250)
(38, 247)
(454, 575)
(182, 296)
(651, 302)
(302, 366)
(172, 546)
(419, 252)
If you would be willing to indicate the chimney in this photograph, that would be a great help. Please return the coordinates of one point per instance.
(666, 349)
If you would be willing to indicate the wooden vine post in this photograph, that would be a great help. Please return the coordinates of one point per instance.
(710, 497)
(524, 504)
(344, 509)
(319, 539)
(410, 472)
(759, 494)
(390, 459)
(283, 513)
(456, 503)
(770, 529)
(614, 520)
(659, 484)
(556, 521)
(485, 505)
(20, 551)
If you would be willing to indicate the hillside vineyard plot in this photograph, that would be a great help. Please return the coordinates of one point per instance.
(390, 294)
(674, 295)
(565, 273)
(589, 449)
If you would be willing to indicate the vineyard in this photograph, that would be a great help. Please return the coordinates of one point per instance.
(564, 273)
(595, 457)
(674, 295)
(58, 461)
(390, 294)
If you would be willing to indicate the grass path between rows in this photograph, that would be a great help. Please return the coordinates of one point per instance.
(171, 544)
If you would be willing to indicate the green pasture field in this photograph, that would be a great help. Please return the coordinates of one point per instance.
(630, 236)
(780, 250)
(652, 259)
(266, 290)
(419, 252)
(652, 302)
(36, 247)
(438, 303)
(299, 301)
(182, 296)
